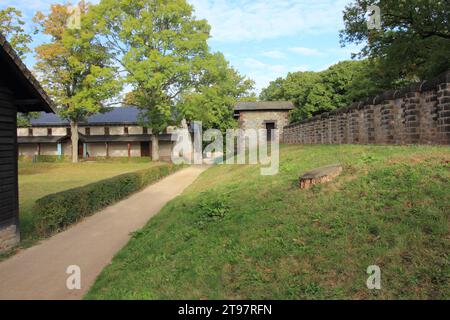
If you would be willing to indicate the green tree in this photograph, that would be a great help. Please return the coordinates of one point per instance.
(213, 99)
(317, 92)
(75, 68)
(414, 40)
(274, 92)
(12, 27)
(161, 48)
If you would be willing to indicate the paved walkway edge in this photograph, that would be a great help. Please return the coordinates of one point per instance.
(40, 271)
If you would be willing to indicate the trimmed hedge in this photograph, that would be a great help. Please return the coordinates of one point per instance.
(55, 212)
(43, 158)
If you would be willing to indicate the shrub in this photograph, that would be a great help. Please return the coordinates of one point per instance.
(55, 212)
(44, 158)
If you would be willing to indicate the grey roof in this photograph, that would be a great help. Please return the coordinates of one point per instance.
(116, 138)
(41, 139)
(28, 91)
(264, 105)
(117, 116)
(122, 138)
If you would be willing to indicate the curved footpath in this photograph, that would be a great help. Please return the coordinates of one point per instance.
(40, 271)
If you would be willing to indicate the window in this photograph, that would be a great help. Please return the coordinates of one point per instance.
(145, 130)
(125, 130)
(49, 131)
(106, 131)
(88, 131)
(30, 132)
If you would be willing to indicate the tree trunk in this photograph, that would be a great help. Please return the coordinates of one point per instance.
(74, 138)
(155, 147)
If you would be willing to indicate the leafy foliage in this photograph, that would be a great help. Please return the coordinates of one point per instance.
(12, 27)
(414, 40)
(24, 119)
(215, 96)
(163, 53)
(74, 68)
(316, 92)
(413, 44)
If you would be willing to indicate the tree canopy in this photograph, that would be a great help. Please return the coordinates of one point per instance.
(163, 53)
(215, 95)
(316, 92)
(414, 40)
(75, 69)
(413, 44)
(12, 27)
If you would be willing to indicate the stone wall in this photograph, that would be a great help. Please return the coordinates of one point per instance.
(258, 119)
(9, 237)
(418, 114)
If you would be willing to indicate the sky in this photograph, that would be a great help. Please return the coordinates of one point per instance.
(262, 39)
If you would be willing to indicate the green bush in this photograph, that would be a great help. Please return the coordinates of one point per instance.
(55, 212)
(43, 158)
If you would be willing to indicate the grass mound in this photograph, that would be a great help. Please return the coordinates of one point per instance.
(235, 234)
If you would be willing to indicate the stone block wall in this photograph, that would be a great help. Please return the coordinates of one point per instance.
(9, 237)
(418, 114)
(258, 119)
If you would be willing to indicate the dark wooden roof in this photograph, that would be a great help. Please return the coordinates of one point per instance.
(14, 75)
(264, 106)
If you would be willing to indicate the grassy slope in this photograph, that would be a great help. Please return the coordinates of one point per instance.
(39, 179)
(235, 234)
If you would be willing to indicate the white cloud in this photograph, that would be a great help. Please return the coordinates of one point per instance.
(245, 20)
(303, 67)
(306, 51)
(258, 65)
(27, 4)
(263, 73)
(274, 54)
(30, 7)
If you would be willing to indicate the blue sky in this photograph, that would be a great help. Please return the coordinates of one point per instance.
(263, 39)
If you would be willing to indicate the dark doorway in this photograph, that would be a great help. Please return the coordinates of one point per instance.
(80, 149)
(145, 149)
(270, 126)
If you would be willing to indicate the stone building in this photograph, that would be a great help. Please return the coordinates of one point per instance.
(112, 134)
(263, 115)
(19, 92)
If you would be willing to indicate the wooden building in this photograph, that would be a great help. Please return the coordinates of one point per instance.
(113, 134)
(19, 92)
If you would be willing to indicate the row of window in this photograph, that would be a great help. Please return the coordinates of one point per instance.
(87, 131)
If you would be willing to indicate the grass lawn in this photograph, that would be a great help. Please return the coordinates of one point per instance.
(39, 179)
(235, 234)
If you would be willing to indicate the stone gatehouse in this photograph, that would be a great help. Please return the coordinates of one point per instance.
(263, 115)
